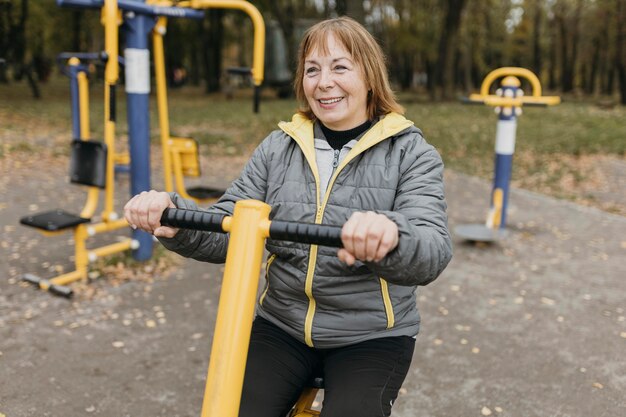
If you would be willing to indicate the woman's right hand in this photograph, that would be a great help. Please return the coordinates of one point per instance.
(144, 211)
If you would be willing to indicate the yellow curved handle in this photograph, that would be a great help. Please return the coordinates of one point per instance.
(510, 74)
(514, 71)
(258, 57)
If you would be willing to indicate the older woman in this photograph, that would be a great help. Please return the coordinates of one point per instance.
(347, 157)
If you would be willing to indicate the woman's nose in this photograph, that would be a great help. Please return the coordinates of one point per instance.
(326, 80)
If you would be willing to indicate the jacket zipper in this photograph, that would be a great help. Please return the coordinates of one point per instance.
(308, 286)
(267, 281)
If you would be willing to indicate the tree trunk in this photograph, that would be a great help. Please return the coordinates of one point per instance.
(5, 28)
(570, 31)
(445, 71)
(214, 41)
(554, 39)
(285, 15)
(537, 21)
(620, 51)
(77, 17)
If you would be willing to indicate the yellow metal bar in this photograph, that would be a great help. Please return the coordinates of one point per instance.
(259, 29)
(91, 204)
(227, 225)
(111, 74)
(492, 100)
(236, 311)
(64, 279)
(516, 71)
(111, 249)
(85, 134)
(107, 226)
(495, 214)
(178, 176)
(80, 249)
(83, 104)
(305, 402)
(161, 91)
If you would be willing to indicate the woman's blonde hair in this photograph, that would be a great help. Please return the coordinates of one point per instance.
(366, 53)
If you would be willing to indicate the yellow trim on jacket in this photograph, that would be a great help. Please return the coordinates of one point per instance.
(301, 130)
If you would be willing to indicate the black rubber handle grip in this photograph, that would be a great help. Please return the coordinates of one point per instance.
(192, 219)
(61, 290)
(314, 234)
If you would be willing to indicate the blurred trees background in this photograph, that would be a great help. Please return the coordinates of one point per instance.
(437, 47)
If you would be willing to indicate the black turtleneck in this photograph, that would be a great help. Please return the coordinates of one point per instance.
(338, 138)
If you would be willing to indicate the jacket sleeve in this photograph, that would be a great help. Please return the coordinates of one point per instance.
(209, 246)
(424, 246)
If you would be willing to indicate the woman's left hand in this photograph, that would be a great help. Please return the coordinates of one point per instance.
(367, 236)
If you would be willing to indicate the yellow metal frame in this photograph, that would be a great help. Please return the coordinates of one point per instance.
(511, 74)
(178, 156)
(248, 227)
(111, 20)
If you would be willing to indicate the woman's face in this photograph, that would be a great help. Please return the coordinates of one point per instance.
(335, 88)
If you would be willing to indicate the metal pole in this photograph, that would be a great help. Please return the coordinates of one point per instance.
(505, 147)
(229, 352)
(137, 58)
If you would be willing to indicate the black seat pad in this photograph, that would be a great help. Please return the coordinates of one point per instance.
(53, 220)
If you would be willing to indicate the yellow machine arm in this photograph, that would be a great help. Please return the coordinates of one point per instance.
(511, 74)
(258, 57)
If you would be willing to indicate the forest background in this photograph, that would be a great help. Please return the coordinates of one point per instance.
(438, 47)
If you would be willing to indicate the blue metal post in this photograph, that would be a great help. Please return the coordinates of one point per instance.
(137, 57)
(505, 147)
(73, 71)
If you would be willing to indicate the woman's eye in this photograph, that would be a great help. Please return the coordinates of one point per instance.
(340, 68)
(310, 71)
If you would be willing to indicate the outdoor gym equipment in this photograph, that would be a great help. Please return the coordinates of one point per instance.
(248, 227)
(139, 18)
(508, 102)
(92, 164)
(180, 155)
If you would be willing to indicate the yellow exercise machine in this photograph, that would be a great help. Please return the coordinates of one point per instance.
(508, 102)
(92, 164)
(180, 155)
(248, 227)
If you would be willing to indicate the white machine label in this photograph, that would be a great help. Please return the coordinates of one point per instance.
(505, 137)
(137, 70)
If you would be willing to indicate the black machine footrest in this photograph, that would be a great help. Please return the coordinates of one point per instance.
(53, 220)
(60, 290)
(202, 193)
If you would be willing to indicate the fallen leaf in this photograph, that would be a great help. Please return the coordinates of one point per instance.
(485, 411)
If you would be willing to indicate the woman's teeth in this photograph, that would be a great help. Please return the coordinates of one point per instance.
(330, 101)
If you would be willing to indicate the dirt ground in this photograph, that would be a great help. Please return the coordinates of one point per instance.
(532, 326)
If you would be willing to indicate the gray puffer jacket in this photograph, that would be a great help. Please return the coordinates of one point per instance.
(309, 293)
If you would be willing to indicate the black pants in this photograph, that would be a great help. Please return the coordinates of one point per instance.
(359, 380)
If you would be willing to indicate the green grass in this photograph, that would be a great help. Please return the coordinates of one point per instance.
(548, 139)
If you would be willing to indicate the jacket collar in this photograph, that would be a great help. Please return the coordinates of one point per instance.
(301, 130)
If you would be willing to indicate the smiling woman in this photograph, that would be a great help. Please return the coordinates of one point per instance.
(347, 157)
(334, 86)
